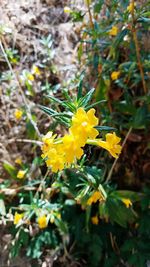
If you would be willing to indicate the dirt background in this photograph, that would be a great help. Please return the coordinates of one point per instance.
(28, 21)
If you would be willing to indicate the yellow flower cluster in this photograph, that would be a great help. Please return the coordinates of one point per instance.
(62, 152)
(83, 125)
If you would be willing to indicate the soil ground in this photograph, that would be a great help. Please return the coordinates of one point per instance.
(29, 21)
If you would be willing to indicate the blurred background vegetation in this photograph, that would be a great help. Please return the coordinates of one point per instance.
(54, 54)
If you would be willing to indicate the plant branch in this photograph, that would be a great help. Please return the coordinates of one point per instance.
(137, 48)
(90, 14)
(115, 161)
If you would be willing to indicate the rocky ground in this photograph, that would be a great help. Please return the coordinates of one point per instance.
(26, 22)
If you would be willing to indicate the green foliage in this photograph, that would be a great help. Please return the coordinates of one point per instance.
(113, 231)
(40, 242)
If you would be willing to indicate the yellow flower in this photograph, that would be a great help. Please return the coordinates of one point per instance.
(48, 143)
(53, 152)
(42, 221)
(18, 114)
(113, 31)
(131, 7)
(111, 144)
(83, 124)
(127, 202)
(95, 219)
(61, 152)
(18, 217)
(35, 70)
(95, 197)
(21, 174)
(55, 160)
(14, 60)
(71, 148)
(67, 9)
(30, 77)
(18, 161)
(115, 75)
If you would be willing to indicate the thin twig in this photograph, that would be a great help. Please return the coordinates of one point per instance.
(39, 143)
(90, 14)
(44, 178)
(137, 48)
(115, 161)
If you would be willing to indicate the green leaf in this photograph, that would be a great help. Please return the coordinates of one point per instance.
(62, 114)
(98, 6)
(85, 100)
(101, 90)
(48, 111)
(140, 117)
(30, 130)
(62, 226)
(79, 94)
(105, 128)
(88, 215)
(95, 104)
(10, 169)
(91, 179)
(119, 37)
(70, 202)
(133, 196)
(143, 19)
(118, 212)
(56, 100)
(64, 104)
(53, 113)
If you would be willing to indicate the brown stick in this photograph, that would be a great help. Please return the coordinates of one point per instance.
(137, 48)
